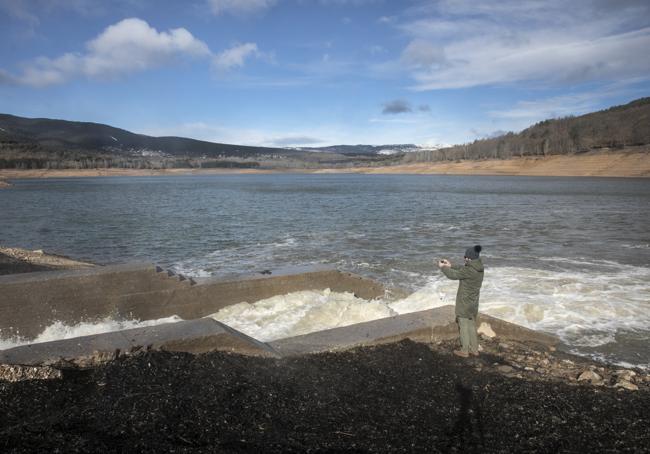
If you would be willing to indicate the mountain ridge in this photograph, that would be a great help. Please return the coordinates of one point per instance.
(43, 143)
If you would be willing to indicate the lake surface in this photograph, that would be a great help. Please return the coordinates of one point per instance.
(570, 256)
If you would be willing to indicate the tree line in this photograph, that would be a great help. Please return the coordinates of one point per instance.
(615, 128)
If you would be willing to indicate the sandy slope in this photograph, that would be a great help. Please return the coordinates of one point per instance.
(602, 165)
(622, 164)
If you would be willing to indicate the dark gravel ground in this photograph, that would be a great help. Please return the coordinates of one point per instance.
(402, 397)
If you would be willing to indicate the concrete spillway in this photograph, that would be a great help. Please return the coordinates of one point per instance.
(31, 302)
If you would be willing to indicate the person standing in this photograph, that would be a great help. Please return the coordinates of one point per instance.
(469, 288)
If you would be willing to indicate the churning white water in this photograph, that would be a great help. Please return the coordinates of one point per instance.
(300, 313)
(59, 330)
(584, 309)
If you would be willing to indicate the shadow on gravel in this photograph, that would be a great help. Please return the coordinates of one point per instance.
(400, 397)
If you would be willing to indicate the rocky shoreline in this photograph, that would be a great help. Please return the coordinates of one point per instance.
(399, 397)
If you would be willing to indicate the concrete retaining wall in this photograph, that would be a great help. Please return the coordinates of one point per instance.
(203, 335)
(194, 336)
(425, 326)
(31, 302)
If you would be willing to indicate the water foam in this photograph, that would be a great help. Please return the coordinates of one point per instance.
(585, 304)
(59, 330)
(300, 313)
(583, 308)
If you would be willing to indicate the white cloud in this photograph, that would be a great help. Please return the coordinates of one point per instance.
(295, 141)
(528, 112)
(18, 10)
(422, 54)
(481, 63)
(128, 46)
(235, 56)
(324, 134)
(239, 7)
(132, 45)
(463, 43)
(221, 133)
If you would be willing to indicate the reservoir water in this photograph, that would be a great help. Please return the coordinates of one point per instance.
(568, 256)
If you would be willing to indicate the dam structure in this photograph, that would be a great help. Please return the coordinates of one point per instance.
(31, 302)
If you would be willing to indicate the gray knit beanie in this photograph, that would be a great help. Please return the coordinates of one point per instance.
(473, 252)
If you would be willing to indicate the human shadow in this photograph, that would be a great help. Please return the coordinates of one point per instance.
(468, 430)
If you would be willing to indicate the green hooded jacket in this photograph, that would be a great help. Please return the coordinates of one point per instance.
(469, 288)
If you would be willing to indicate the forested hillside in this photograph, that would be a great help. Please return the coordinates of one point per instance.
(614, 128)
(42, 143)
(45, 143)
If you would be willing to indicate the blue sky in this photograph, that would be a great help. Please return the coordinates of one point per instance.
(321, 72)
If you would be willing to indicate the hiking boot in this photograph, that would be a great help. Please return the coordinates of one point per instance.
(461, 353)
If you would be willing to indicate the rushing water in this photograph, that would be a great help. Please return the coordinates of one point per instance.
(569, 256)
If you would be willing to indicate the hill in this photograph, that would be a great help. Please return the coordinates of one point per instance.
(616, 128)
(42, 142)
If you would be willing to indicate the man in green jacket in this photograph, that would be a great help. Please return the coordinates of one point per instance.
(469, 288)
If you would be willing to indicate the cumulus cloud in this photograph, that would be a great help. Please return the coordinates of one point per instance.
(128, 46)
(239, 7)
(397, 106)
(235, 56)
(462, 43)
(133, 45)
(424, 108)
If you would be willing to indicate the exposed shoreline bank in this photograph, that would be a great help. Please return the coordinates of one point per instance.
(623, 164)
(630, 165)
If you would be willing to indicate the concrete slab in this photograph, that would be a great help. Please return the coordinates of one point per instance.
(193, 336)
(424, 326)
(29, 303)
(211, 295)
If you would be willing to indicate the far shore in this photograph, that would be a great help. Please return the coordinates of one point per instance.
(623, 164)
